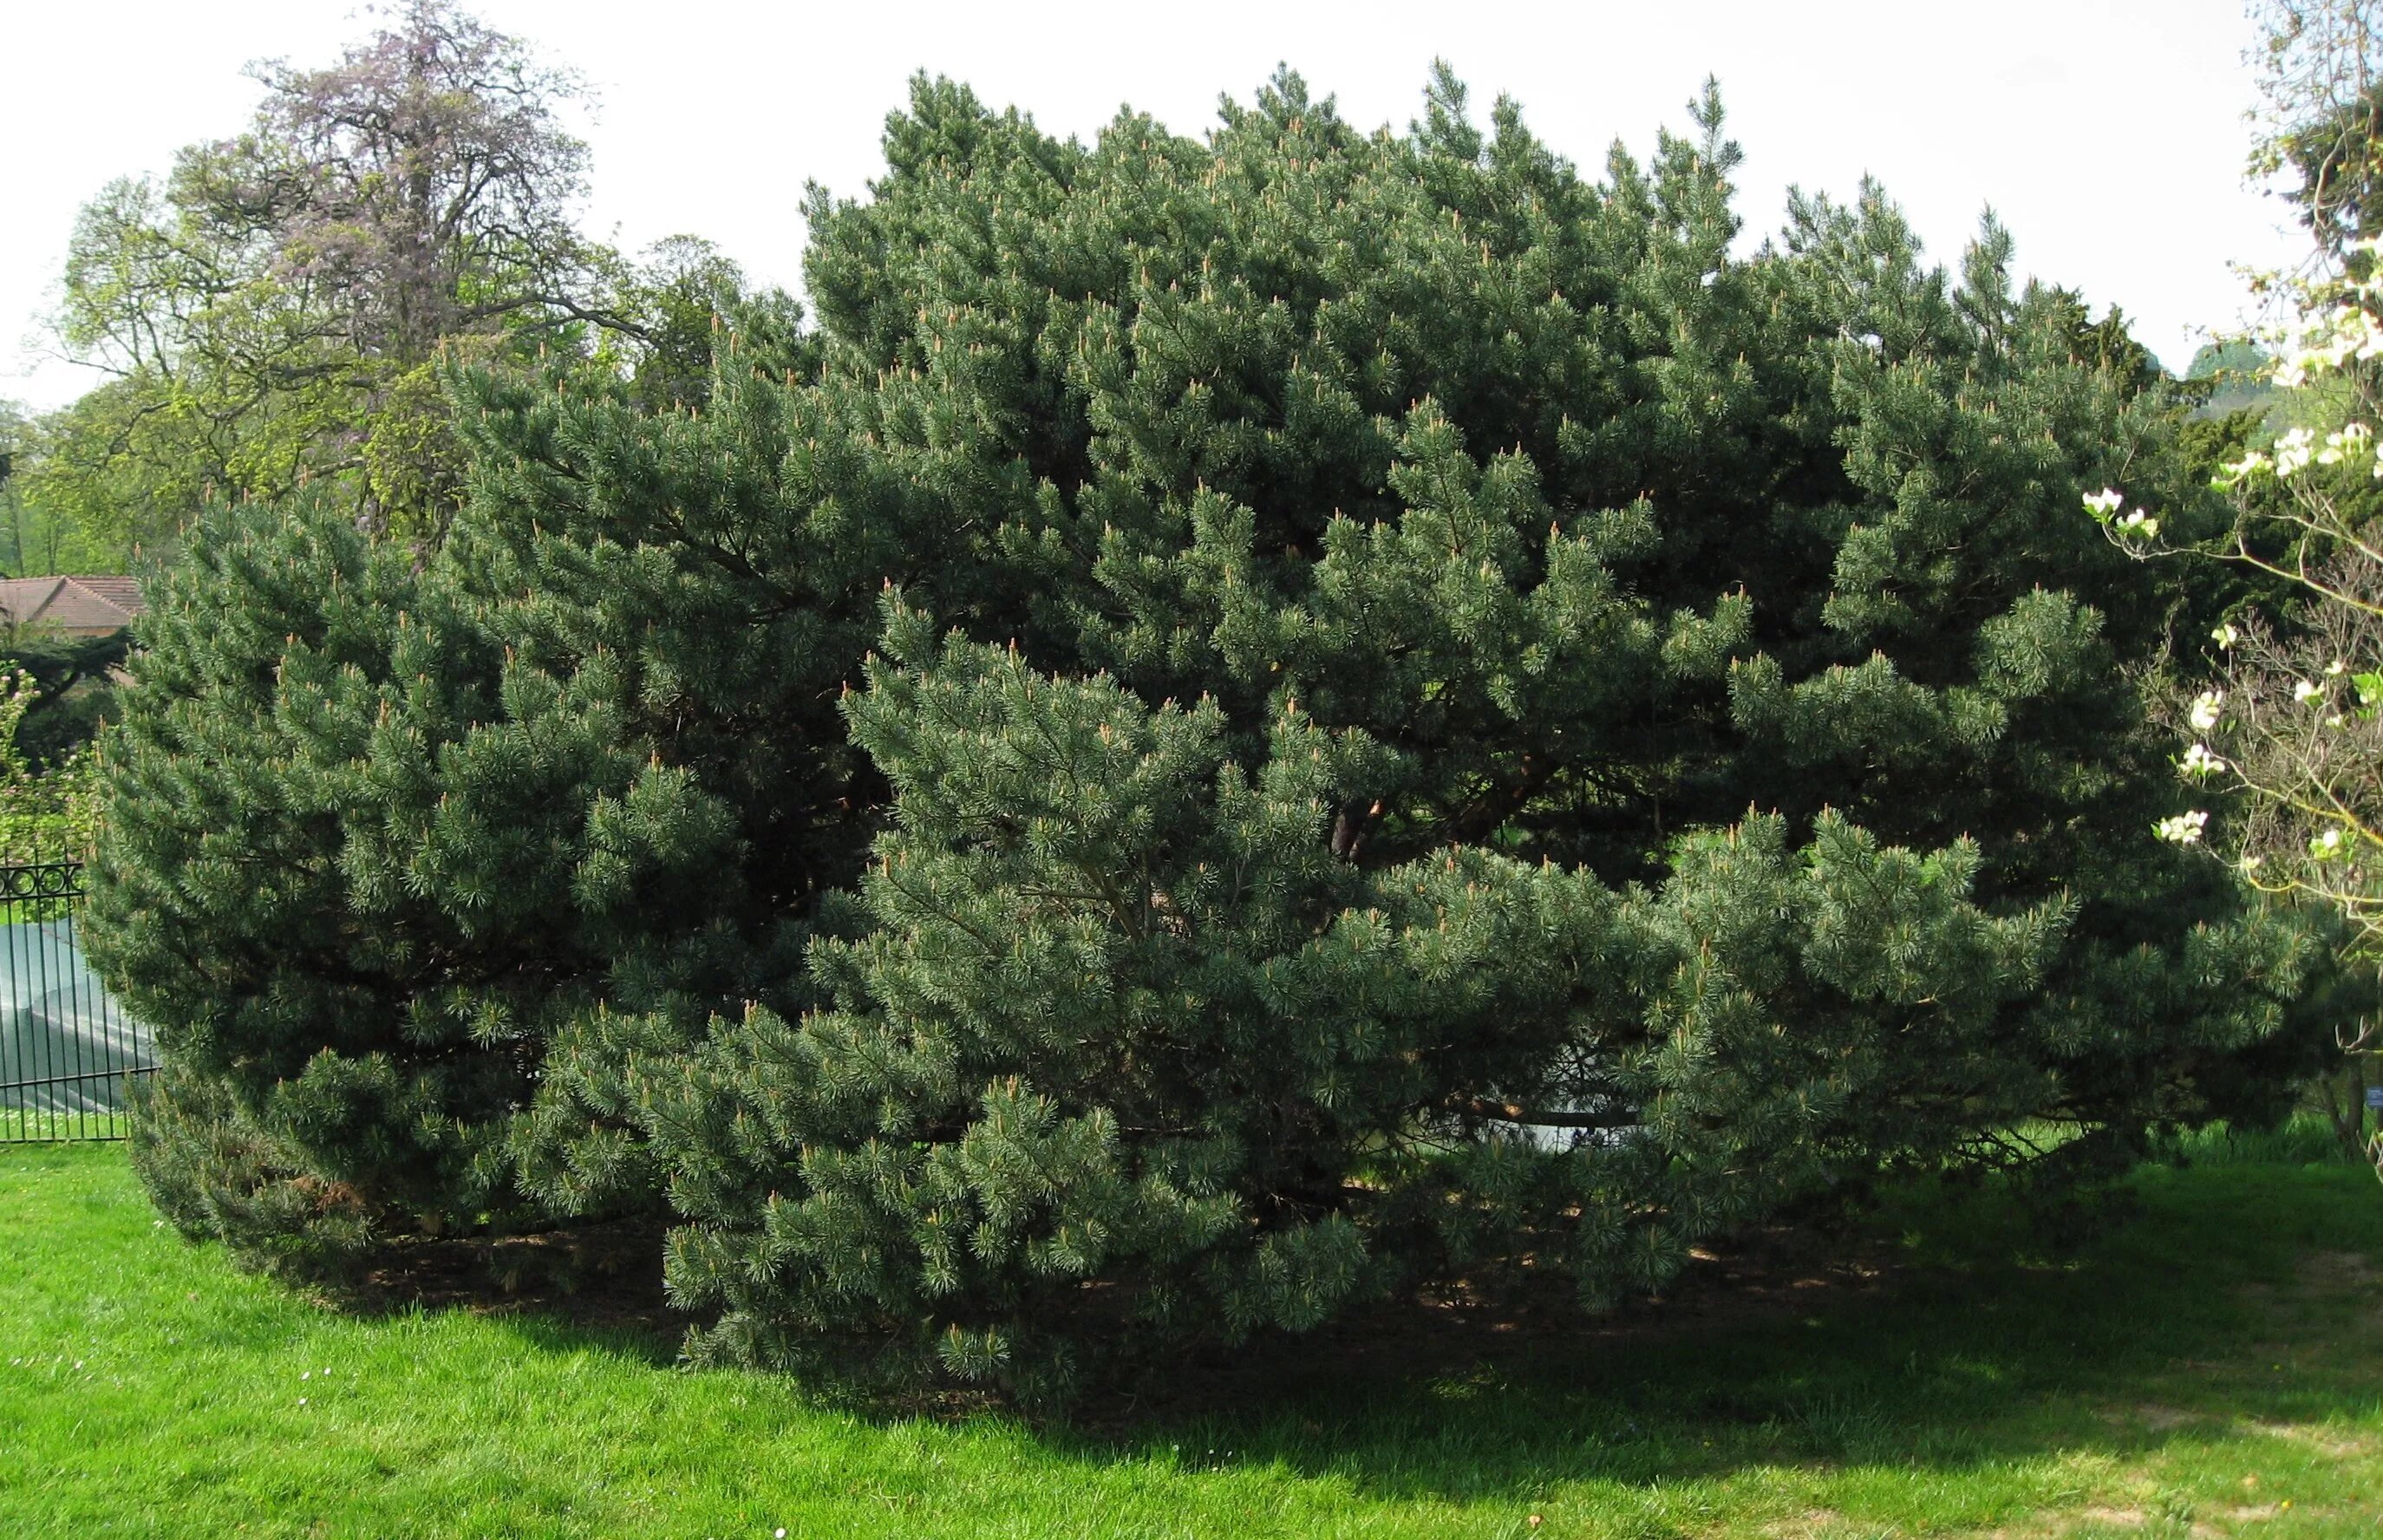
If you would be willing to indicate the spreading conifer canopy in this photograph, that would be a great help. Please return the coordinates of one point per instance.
(1240, 723)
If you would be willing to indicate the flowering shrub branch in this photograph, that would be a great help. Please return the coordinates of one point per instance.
(2288, 736)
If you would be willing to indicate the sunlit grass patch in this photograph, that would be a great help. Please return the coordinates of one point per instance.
(26, 1124)
(2212, 1367)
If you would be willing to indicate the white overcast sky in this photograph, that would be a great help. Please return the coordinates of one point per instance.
(2108, 134)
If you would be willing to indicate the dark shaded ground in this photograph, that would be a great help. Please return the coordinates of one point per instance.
(607, 1280)
(601, 1278)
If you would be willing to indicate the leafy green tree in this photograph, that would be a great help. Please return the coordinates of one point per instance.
(13, 445)
(72, 679)
(46, 811)
(672, 309)
(2282, 728)
(34, 538)
(276, 311)
(114, 470)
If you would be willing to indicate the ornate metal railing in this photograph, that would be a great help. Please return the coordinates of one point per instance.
(68, 1052)
(37, 880)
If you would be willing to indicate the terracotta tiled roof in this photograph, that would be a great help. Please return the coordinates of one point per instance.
(77, 606)
(122, 592)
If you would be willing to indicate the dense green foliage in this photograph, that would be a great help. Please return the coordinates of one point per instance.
(47, 810)
(360, 865)
(74, 688)
(1426, 719)
(34, 537)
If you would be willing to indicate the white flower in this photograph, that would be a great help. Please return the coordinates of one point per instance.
(2304, 692)
(2204, 709)
(2337, 669)
(2200, 763)
(2336, 720)
(2139, 522)
(2251, 465)
(2183, 829)
(2104, 503)
(2294, 451)
(2325, 845)
(2369, 340)
(2226, 636)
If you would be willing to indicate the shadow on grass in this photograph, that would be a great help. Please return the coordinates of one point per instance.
(1940, 1338)
(2234, 1301)
(596, 1286)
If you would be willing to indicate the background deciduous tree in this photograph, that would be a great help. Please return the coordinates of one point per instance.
(276, 311)
(2321, 116)
(2285, 734)
(35, 537)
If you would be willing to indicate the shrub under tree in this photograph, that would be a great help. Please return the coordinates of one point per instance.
(1419, 716)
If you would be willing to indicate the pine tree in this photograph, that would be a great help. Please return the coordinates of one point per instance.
(409, 851)
(362, 862)
(1489, 724)
(1243, 724)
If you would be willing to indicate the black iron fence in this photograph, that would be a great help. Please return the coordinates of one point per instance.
(66, 1051)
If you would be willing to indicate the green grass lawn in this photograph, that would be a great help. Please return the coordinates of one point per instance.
(19, 1123)
(2214, 1367)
